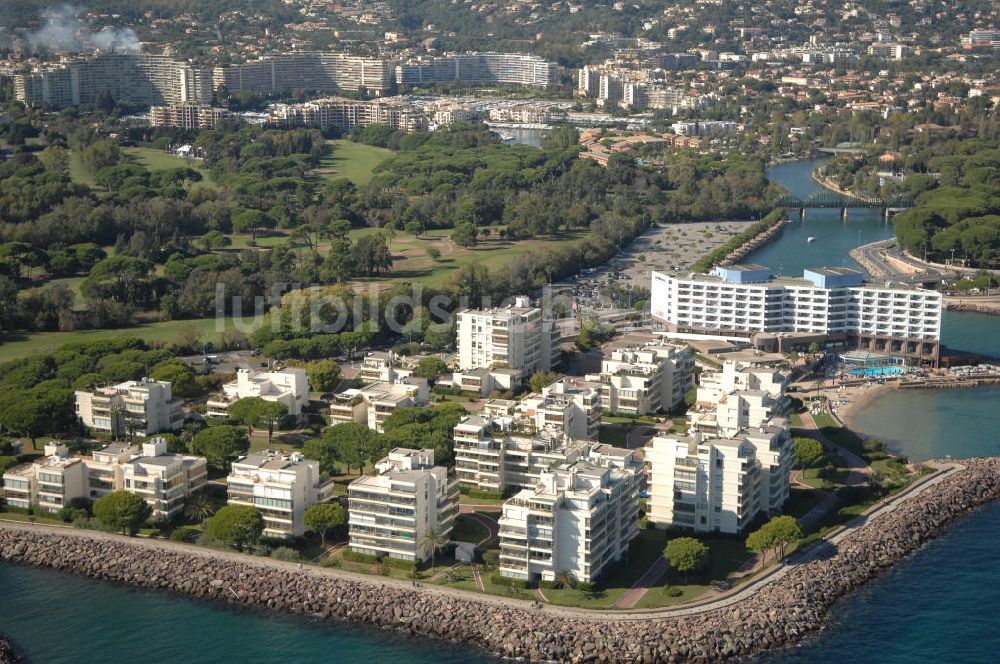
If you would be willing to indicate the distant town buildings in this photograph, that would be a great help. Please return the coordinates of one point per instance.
(392, 512)
(827, 305)
(280, 486)
(142, 407)
(346, 114)
(188, 116)
(501, 68)
(981, 39)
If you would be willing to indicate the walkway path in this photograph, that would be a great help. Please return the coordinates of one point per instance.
(858, 470)
(643, 585)
(728, 598)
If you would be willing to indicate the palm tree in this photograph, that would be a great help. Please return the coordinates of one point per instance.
(564, 579)
(434, 540)
(198, 507)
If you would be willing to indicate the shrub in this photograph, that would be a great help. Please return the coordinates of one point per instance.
(501, 580)
(330, 562)
(286, 553)
(396, 563)
(476, 493)
(69, 514)
(547, 585)
(356, 557)
(185, 534)
(672, 591)
(585, 587)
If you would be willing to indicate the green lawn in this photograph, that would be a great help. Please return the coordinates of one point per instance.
(354, 161)
(153, 333)
(468, 529)
(72, 283)
(158, 160)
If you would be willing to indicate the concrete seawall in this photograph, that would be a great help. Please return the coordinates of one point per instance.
(792, 604)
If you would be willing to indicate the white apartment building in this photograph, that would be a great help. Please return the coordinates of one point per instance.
(515, 337)
(372, 404)
(141, 406)
(286, 386)
(164, 480)
(49, 484)
(741, 395)
(483, 381)
(508, 68)
(831, 304)
(188, 116)
(345, 114)
(719, 483)
(500, 454)
(280, 486)
(391, 512)
(579, 517)
(571, 406)
(382, 367)
(645, 379)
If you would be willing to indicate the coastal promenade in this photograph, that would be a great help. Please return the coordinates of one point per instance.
(704, 605)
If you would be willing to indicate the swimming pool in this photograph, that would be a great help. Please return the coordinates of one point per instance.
(871, 372)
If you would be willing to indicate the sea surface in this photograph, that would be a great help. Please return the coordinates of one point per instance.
(940, 605)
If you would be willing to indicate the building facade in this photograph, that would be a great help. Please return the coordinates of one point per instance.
(142, 407)
(289, 387)
(515, 337)
(834, 304)
(164, 480)
(48, 484)
(579, 518)
(281, 487)
(392, 512)
(188, 116)
(503, 68)
(645, 379)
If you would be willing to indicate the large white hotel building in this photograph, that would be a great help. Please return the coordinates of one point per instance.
(827, 305)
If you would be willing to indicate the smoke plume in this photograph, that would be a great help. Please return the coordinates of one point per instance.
(66, 32)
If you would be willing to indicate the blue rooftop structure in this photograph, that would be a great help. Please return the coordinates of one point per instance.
(834, 277)
(743, 273)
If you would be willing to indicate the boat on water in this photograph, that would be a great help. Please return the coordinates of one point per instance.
(811, 239)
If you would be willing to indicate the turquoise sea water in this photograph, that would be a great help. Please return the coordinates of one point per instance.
(938, 606)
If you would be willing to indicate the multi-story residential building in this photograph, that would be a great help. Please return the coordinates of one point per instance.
(188, 116)
(589, 81)
(280, 486)
(645, 379)
(578, 517)
(147, 79)
(502, 68)
(500, 454)
(372, 404)
(392, 512)
(346, 114)
(981, 39)
(289, 387)
(142, 406)
(890, 51)
(164, 480)
(571, 406)
(104, 469)
(483, 381)
(829, 305)
(739, 396)
(719, 483)
(515, 337)
(382, 367)
(48, 484)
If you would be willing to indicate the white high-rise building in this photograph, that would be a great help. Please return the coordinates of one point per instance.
(645, 379)
(719, 483)
(515, 337)
(392, 512)
(141, 406)
(579, 517)
(737, 397)
(280, 486)
(831, 304)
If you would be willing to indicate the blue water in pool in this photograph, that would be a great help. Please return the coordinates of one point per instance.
(874, 372)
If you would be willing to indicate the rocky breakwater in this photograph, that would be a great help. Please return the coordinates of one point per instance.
(8, 654)
(793, 604)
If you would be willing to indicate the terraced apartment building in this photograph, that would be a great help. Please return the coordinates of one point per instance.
(502, 68)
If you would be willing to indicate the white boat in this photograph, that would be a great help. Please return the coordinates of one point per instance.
(810, 239)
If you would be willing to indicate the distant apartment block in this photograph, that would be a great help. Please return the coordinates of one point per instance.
(516, 337)
(827, 305)
(188, 116)
(48, 484)
(382, 367)
(645, 379)
(501, 68)
(143, 407)
(281, 487)
(981, 39)
(289, 387)
(392, 511)
(146, 79)
(579, 517)
(346, 114)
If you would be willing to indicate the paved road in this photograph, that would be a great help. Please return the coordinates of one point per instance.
(692, 608)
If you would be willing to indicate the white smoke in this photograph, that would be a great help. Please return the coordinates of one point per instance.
(64, 31)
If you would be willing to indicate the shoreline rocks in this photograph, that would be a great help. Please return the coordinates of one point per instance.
(8, 653)
(777, 615)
